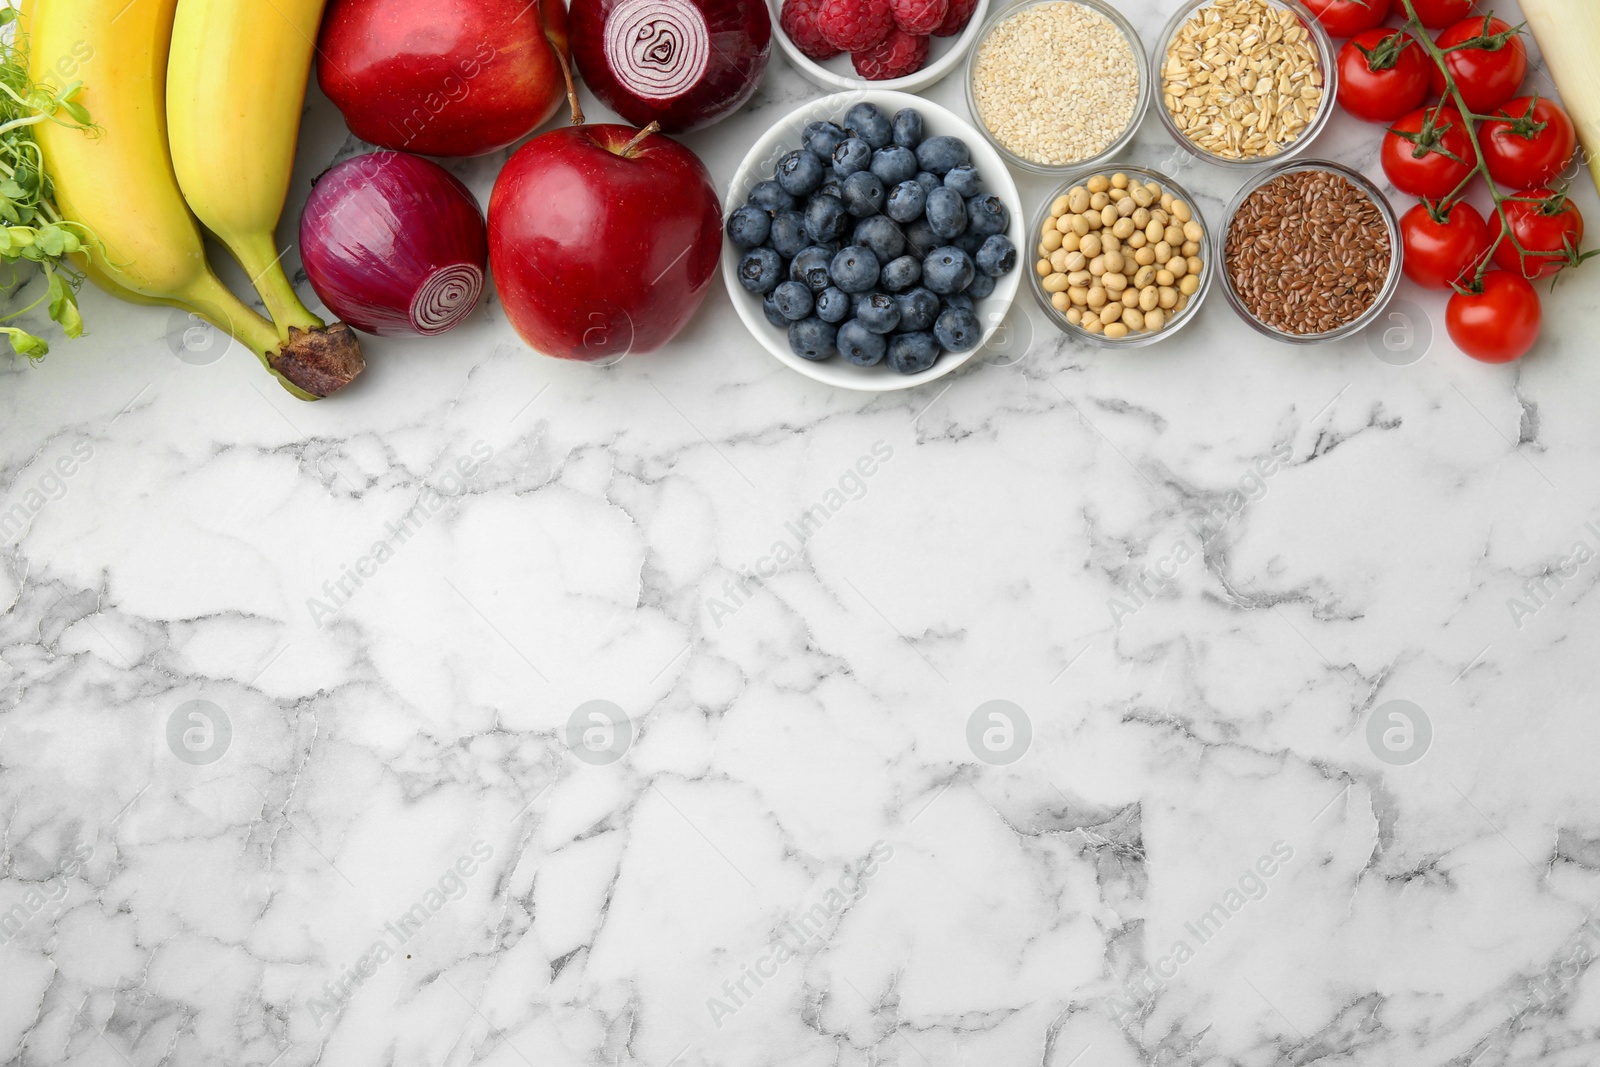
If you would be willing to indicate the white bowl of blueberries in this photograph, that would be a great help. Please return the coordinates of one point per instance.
(872, 240)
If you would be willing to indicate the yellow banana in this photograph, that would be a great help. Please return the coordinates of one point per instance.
(236, 85)
(118, 181)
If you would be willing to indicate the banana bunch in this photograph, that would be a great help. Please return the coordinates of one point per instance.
(196, 107)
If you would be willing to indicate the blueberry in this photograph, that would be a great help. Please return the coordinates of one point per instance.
(997, 255)
(863, 194)
(880, 234)
(905, 202)
(868, 122)
(821, 138)
(894, 165)
(859, 345)
(907, 127)
(941, 155)
(834, 304)
(852, 155)
(929, 182)
(748, 226)
(812, 338)
(957, 329)
(964, 180)
(901, 273)
(982, 285)
(800, 173)
(832, 188)
(914, 352)
(769, 307)
(962, 300)
(770, 197)
(968, 242)
(947, 270)
(947, 212)
(793, 299)
(878, 312)
(760, 270)
(920, 238)
(986, 215)
(918, 308)
(854, 269)
(826, 219)
(788, 235)
(811, 267)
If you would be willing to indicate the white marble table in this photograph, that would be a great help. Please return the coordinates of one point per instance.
(1211, 836)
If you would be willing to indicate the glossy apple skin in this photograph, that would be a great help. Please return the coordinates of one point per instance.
(443, 79)
(732, 40)
(598, 252)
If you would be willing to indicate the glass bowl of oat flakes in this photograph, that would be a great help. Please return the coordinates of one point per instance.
(1242, 83)
(1058, 85)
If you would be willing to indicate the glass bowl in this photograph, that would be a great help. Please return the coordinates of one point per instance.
(1396, 253)
(1327, 59)
(1208, 255)
(1141, 104)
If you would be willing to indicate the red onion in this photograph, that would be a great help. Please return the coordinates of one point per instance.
(394, 244)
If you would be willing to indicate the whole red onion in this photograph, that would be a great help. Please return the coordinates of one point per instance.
(394, 244)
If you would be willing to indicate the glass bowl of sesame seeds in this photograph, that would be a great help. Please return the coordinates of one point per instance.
(1243, 83)
(1122, 257)
(1058, 85)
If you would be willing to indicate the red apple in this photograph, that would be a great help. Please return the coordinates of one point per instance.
(456, 79)
(682, 63)
(603, 240)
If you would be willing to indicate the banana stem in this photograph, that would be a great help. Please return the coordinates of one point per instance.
(217, 304)
(264, 263)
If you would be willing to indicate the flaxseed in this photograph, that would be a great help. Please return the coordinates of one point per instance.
(1308, 252)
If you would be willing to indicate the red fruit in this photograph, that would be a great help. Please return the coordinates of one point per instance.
(1487, 74)
(919, 17)
(798, 20)
(956, 19)
(1498, 324)
(412, 80)
(603, 240)
(855, 25)
(899, 54)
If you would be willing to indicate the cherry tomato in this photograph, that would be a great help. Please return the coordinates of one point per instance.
(1498, 324)
(1488, 75)
(1439, 254)
(1382, 75)
(1549, 227)
(1346, 18)
(1417, 152)
(1530, 146)
(1437, 14)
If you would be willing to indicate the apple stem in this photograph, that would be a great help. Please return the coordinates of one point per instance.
(654, 127)
(572, 91)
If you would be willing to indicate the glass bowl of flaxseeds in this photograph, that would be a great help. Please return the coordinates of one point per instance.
(1311, 252)
(1242, 83)
(1056, 85)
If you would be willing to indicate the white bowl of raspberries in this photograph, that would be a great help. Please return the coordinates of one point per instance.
(903, 45)
(874, 240)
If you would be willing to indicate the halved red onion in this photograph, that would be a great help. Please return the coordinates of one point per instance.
(394, 244)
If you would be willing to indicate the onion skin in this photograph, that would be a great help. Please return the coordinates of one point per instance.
(394, 245)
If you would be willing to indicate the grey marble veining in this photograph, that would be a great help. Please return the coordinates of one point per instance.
(1295, 652)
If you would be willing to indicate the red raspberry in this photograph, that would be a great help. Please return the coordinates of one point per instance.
(854, 25)
(919, 17)
(956, 19)
(799, 21)
(898, 55)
